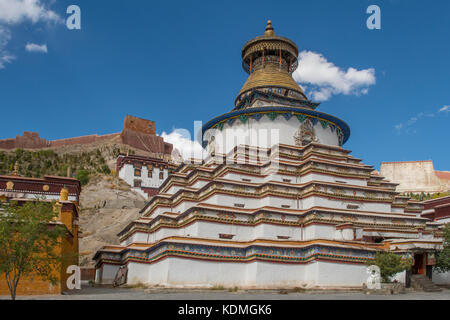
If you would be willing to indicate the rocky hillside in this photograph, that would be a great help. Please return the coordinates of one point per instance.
(107, 206)
(83, 160)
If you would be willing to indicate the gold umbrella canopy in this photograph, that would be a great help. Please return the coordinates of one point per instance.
(270, 60)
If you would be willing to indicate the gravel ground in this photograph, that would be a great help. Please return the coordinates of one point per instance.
(90, 293)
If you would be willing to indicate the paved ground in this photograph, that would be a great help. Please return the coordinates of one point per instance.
(89, 293)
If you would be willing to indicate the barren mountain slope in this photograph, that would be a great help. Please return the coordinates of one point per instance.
(107, 206)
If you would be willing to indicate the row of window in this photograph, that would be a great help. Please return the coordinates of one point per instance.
(138, 172)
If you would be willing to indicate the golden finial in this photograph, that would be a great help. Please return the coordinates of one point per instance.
(64, 194)
(16, 169)
(269, 29)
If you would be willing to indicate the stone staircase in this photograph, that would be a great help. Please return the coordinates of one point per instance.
(423, 283)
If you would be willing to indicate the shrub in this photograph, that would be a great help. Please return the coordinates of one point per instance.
(105, 169)
(443, 257)
(390, 264)
(83, 176)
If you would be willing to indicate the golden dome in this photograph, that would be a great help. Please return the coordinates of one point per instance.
(270, 60)
(270, 76)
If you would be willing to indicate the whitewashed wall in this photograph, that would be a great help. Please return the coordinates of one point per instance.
(126, 173)
(265, 133)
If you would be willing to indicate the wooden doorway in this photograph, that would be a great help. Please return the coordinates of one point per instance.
(418, 267)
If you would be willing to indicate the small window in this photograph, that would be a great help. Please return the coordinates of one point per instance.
(161, 175)
(137, 183)
(283, 237)
(287, 180)
(137, 172)
(150, 173)
(246, 180)
(285, 206)
(352, 206)
(226, 236)
(239, 205)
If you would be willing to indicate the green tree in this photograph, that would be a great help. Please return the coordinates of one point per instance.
(443, 257)
(29, 242)
(390, 264)
(83, 176)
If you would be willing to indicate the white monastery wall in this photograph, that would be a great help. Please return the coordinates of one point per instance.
(205, 273)
(212, 230)
(328, 178)
(441, 278)
(265, 274)
(250, 203)
(344, 234)
(312, 201)
(412, 176)
(137, 273)
(171, 272)
(126, 173)
(340, 274)
(317, 231)
(47, 197)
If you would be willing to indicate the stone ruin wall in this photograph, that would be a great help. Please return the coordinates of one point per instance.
(413, 176)
(31, 140)
(82, 140)
(139, 125)
(137, 133)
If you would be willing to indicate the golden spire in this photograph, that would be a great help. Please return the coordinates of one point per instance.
(64, 194)
(269, 29)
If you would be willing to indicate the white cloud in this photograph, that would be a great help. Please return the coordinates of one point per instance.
(32, 47)
(324, 79)
(16, 11)
(5, 57)
(181, 140)
(445, 109)
(406, 125)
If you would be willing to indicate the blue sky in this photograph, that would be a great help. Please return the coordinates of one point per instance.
(179, 61)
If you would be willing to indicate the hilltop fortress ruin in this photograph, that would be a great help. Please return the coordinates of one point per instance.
(136, 133)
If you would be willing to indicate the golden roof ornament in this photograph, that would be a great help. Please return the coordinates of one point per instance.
(16, 169)
(64, 194)
(269, 29)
